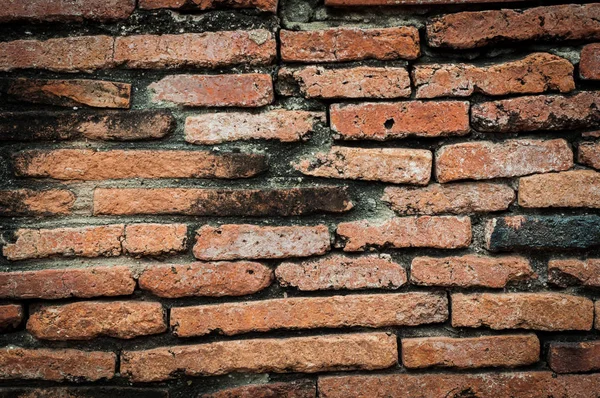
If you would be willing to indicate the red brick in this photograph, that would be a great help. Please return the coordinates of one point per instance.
(358, 82)
(11, 316)
(366, 351)
(535, 73)
(409, 309)
(395, 165)
(52, 284)
(389, 120)
(199, 50)
(154, 239)
(477, 29)
(484, 160)
(231, 242)
(589, 60)
(597, 315)
(68, 54)
(566, 272)
(478, 352)
(281, 125)
(435, 232)
(56, 365)
(83, 392)
(90, 241)
(205, 279)
(360, 3)
(245, 90)
(294, 389)
(537, 311)
(574, 357)
(201, 5)
(89, 164)
(23, 202)
(88, 320)
(461, 198)
(469, 271)
(342, 272)
(349, 44)
(66, 10)
(541, 112)
(222, 202)
(589, 154)
(577, 188)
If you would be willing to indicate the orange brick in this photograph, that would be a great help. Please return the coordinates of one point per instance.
(294, 389)
(11, 316)
(567, 272)
(25, 202)
(66, 10)
(154, 239)
(589, 154)
(577, 188)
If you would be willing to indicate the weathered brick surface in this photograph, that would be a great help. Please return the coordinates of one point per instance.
(281, 125)
(24, 202)
(395, 165)
(349, 44)
(409, 309)
(65, 10)
(87, 320)
(476, 29)
(205, 279)
(579, 188)
(231, 242)
(461, 198)
(244, 90)
(386, 120)
(83, 392)
(11, 316)
(470, 271)
(537, 311)
(477, 352)
(566, 272)
(301, 354)
(574, 357)
(294, 389)
(263, 5)
(222, 202)
(589, 154)
(588, 64)
(484, 160)
(426, 231)
(342, 272)
(346, 3)
(154, 239)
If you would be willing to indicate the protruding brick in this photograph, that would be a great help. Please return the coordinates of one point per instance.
(244, 90)
(408, 309)
(470, 271)
(358, 82)
(574, 357)
(26, 202)
(386, 120)
(350, 44)
(507, 351)
(567, 272)
(361, 3)
(281, 125)
(461, 198)
(395, 165)
(56, 365)
(589, 154)
(477, 29)
(205, 279)
(201, 5)
(66, 10)
(426, 231)
(293, 389)
(231, 242)
(342, 272)
(52, 284)
(222, 202)
(366, 351)
(11, 316)
(484, 160)
(577, 188)
(533, 74)
(83, 392)
(89, 164)
(154, 239)
(537, 311)
(589, 67)
(541, 112)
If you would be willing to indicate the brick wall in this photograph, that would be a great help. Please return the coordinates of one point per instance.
(355, 198)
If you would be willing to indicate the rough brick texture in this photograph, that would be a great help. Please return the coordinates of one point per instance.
(11, 316)
(566, 272)
(154, 239)
(263, 5)
(574, 357)
(38, 203)
(588, 64)
(589, 154)
(65, 10)
(579, 188)
(294, 389)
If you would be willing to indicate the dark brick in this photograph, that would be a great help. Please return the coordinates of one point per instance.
(82, 392)
(295, 389)
(574, 357)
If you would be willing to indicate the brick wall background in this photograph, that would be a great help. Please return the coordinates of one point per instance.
(239, 198)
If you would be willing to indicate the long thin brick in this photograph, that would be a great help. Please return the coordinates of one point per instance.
(201, 5)
(574, 357)
(477, 29)
(231, 242)
(243, 90)
(89, 164)
(154, 239)
(56, 365)
(537, 311)
(198, 50)
(222, 202)
(205, 279)
(484, 160)
(533, 74)
(588, 63)
(395, 165)
(25, 202)
(301, 354)
(426, 231)
(567, 272)
(349, 44)
(361, 3)
(577, 188)
(82, 392)
(461, 198)
(52, 284)
(470, 271)
(11, 316)
(408, 309)
(388, 120)
(67, 10)
(342, 272)
(466, 353)
(589, 154)
(88, 320)
(293, 389)
(281, 125)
